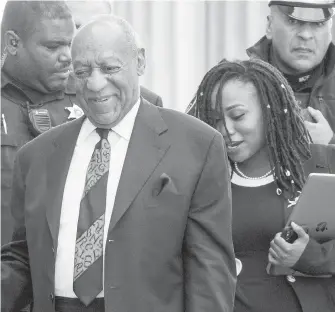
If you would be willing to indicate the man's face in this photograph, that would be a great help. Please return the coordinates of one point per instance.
(298, 46)
(106, 70)
(45, 55)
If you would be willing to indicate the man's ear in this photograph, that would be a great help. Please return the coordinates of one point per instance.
(12, 41)
(268, 32)
(141, 61)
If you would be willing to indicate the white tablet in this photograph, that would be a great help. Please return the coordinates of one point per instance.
(315, 207)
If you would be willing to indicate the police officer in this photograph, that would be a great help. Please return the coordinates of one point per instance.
(298, 42)
(36, 38)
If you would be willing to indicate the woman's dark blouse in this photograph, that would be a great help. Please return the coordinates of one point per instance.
(257, 216)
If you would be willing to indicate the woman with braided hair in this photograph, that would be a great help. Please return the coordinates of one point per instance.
(271, 155)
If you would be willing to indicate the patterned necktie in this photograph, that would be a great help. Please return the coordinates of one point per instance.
(88, 260)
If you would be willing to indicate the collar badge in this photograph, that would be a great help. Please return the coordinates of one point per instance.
(75, 111)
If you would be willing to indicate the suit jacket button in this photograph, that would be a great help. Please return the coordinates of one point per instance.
(290, 278)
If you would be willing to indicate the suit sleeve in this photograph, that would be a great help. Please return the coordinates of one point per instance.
(209, 263)
(16, 288)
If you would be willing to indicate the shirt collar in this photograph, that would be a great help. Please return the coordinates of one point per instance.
(124, 128)
(33, 96)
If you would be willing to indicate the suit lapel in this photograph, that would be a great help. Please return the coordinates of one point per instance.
(148, 144)
(58, 167)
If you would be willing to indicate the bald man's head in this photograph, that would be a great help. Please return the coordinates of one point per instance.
(23, 17)
(113, 25)
(107, 64)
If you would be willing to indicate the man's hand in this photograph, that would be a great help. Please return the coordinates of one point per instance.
(320, 131)
(286, 254)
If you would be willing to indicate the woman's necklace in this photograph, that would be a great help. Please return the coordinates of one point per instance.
(251, 178)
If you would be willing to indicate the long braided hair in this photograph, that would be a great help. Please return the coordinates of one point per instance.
(286, 136)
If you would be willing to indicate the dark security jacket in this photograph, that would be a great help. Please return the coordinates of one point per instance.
(16, 129)
(322, 96)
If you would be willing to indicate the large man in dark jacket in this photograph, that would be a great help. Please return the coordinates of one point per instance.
(35, 91)
(298, 42)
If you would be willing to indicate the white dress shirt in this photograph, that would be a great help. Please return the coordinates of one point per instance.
(74, 186)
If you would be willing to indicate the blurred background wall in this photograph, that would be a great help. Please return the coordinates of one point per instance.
(185, 38)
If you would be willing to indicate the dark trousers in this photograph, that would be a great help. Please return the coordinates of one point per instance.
(75, 305)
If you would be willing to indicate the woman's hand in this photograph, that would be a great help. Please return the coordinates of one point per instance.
(286, 254)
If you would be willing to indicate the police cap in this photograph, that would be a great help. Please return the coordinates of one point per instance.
(307, 11)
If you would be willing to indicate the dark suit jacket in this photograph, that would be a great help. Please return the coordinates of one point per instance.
(171, 223)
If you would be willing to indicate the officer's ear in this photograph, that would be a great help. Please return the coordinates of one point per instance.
(12, 41)
(141, 61)
(268, 32)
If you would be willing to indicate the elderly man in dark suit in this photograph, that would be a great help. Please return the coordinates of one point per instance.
(127, 208)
